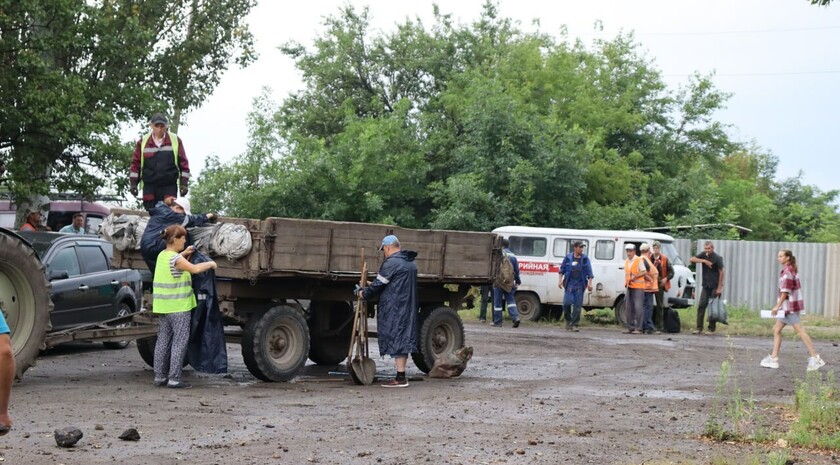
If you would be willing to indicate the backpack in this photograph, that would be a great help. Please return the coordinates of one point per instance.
(672, 320)
(506, 277)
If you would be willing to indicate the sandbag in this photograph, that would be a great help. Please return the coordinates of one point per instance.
(123, 231)
(451, 364)
(717, 310)
(229, 240)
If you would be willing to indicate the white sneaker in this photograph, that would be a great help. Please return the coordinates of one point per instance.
(770, 362)
(815, 363)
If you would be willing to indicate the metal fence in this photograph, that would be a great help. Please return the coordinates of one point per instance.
(752, 272)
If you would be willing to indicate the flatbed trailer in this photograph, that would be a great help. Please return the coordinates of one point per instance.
(290, 296)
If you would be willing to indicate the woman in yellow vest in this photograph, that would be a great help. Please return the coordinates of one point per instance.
(173, 300)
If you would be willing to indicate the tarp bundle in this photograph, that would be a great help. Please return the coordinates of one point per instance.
(124, 231)
(222, 240)
(232, 241)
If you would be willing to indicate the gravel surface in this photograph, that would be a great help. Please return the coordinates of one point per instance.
(535, 394)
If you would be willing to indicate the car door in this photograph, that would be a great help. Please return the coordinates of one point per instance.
(608, 268)
(68, 293)
(102, 283)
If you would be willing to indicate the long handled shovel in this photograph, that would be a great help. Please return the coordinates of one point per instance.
(362, 368)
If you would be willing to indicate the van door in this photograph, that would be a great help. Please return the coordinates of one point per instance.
(533, 257)
(608, 268)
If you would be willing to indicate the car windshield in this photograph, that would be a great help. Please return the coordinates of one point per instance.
(40, 241)
(671, 252)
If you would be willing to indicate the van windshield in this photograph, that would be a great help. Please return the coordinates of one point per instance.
(671, 252)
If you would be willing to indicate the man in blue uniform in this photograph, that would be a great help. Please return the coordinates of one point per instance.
(575, 277)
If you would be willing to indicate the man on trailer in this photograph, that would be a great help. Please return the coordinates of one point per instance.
(396, 313)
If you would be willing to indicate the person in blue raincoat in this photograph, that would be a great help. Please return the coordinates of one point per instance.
(396, 315)
(206, 351)
(163, 214)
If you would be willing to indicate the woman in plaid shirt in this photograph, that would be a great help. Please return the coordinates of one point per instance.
(791, 304)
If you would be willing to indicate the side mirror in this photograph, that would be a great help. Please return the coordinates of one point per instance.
(58, 274)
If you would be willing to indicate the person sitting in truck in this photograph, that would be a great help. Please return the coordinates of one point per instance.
(76, 227)
(33, 221)
(174, 301)
(166, 213)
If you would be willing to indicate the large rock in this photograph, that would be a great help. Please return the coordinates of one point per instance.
(68, 437)
(130, 434)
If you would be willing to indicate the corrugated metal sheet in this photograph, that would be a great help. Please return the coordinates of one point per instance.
(683, 248)
(752, 271)
(832, 281)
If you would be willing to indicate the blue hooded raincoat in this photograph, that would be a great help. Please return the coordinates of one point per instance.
(396, 315)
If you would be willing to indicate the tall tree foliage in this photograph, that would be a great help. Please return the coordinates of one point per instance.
(475, 126)
(73, 71)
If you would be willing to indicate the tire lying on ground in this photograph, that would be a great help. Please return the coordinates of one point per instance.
(24, 298)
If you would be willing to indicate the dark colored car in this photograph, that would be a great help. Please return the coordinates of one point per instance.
(86, 289)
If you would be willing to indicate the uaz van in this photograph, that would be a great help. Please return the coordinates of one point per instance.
(540, 251)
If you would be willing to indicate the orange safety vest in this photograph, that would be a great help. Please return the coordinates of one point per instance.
(664, 273)
(633, 268)
(652, 278)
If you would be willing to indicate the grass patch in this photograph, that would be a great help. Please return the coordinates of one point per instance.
(818, 413)
(734, 416)
(744, 321)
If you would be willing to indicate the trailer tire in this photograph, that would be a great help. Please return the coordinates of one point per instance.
(275, 344)
(441, 331)
(146, 348)
(24, 298)
(528, 306)
(621, 311)
(326, 346)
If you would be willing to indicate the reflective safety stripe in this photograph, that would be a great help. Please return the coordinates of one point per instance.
(169, 285)
(172, 296)
(171, 293)
(383, 279)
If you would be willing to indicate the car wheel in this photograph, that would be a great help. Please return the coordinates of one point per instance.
(125, 310)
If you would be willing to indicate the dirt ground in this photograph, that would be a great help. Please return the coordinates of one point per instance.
(536, 394)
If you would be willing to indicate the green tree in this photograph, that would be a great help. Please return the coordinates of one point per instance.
(74, 71)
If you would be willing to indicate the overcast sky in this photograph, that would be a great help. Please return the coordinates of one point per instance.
(779, 58)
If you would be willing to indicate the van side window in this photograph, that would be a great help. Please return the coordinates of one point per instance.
(561, 247)
(93, 223)
(528, 246)
(605, 250)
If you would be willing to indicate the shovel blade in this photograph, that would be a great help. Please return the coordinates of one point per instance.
(363, 370)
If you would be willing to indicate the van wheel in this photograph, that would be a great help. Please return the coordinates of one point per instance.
(528, 305)
(621, 311)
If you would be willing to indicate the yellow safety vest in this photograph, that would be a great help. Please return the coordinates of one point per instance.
(171, 294)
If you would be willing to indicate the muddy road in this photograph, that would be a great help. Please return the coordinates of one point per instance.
(535, 394)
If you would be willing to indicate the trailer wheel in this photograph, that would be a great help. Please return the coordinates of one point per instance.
(24, 299)
(441, 331)
(528, 306)
(330, 328)
(146, 347)
(621, 311)
(275, 344)
(125, 310)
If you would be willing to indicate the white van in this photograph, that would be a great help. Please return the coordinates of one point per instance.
(540, 252)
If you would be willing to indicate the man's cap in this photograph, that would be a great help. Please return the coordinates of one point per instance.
(389, 240)
(184, 203)
(644, 247)
(629, 247)
(578, 244)
(158, 118)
